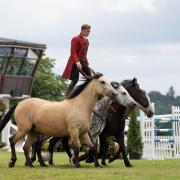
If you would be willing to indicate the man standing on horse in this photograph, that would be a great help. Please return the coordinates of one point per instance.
(78, 61)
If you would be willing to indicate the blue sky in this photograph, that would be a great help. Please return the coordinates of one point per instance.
(129, 37)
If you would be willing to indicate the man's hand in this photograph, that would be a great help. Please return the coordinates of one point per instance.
(78, 64)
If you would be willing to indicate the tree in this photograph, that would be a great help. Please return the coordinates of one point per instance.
(48, 85)
(134, 142)
(171, 92)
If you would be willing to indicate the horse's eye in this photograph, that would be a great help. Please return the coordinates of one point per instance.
(124, 93)
(102, 82)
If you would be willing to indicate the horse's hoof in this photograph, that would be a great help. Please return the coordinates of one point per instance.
(129, 165)
(98, 166)
(103, 163)
(11, 164)
(89, 160)
(51, 164)
(44, 165)
(77, 165)
(72, 161)
(28, 164)
(32, 160)
(112, 159)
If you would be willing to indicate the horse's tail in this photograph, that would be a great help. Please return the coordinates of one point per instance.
(6, 118)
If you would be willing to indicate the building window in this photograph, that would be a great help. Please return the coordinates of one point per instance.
(37, 52)
(5, 51)
(27, 67)
(20, 52)
(14, 66)
(3, 62)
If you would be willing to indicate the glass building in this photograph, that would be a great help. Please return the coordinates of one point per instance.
(18, 64)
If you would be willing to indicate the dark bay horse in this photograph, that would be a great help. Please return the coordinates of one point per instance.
(115, 121)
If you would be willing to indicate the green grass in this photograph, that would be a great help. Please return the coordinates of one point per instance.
(143, 169)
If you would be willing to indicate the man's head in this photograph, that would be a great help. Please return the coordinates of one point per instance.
(85, 30)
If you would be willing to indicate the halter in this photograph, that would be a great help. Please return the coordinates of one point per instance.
(110, 106)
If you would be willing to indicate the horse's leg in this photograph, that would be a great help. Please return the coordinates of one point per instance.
(74, 146)
(88, 156)
(102, 141)
(87, 141)
(13, 140)
(116, 156)
(34, 151)
(39, 147)
(66, 146)
(103, 147)
(35, 147)
(52, 143)
(85, 156)
(31, 138)
(123, 150)
(104, 153)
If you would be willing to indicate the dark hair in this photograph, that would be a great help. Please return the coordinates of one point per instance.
(85, 26)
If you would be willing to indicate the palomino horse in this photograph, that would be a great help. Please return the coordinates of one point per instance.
(71, 117)
(122, 98)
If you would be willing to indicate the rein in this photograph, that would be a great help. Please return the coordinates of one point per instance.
(84, 74)
(110, 106)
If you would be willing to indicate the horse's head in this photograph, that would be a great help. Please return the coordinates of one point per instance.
(139, 95)
(105, 88)
(101, 85)
(148, 110)
(123, 97)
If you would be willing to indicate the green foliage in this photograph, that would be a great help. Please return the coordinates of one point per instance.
(48, 85)
(134, 142)
(162, 102)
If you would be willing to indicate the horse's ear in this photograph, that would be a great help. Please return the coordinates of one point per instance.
(115, 84)
(97, 75)
(134, 80)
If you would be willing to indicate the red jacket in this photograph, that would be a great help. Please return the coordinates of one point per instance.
(79, 48)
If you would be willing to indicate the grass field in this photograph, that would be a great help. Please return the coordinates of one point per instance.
(143, 169)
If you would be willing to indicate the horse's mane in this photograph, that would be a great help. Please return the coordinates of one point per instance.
(78, 89)
(126, 81)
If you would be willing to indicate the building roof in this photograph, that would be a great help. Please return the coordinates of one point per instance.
(13, 42)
